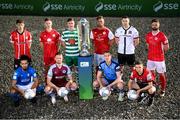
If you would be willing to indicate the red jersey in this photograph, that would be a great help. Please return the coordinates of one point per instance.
(50, 42)
(145, 77)
(21, 42)
(101, 39)
(58, 75)
(155, 46)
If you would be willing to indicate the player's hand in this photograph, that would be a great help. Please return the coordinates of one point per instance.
(109, 87)
(57, 89)
(117, 40)
(138, 91)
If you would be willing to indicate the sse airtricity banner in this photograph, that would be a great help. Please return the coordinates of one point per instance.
(113, 8)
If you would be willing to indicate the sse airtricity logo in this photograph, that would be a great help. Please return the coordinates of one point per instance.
(46, 6)
(99, 6)
(158, 6)
(165, 6)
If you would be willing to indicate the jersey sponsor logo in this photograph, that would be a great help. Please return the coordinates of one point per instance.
(104, 33)
(71, 41)
(49, 40)
(155, 38)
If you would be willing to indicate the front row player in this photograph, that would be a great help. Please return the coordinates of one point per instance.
(59, 75)
(142, 80)
(23, 80)
(109, 75)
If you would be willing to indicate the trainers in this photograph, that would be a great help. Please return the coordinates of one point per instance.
(53, 100)
(150, 102)
(66, 98)
(34, 100)
(121, 96)
(16, 103)
(162, 93)
(140, 98)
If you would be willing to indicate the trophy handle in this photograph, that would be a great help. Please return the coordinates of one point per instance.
(79, 40)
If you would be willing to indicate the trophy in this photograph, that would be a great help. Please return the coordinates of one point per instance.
(84, 42)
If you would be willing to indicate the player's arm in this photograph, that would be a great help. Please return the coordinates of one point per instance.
(30, 40)
(136, 41)
(119, 76)
(135, 37)
(111, 38)
(51, 84)
(150, 85)
(166, 47)
(35, 84)
(12, 41)
(16, 88)
(49, 78)
(130, 84)
(99, 78)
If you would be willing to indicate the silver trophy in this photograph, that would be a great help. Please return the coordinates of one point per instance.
(84, 42)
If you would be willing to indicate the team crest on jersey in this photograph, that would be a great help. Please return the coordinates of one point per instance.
(104, 33)
(64, 71)
(54, 35)
(28, 75)
(130, 32)
(71, 41)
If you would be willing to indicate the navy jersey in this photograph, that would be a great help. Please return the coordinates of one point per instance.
(24, 77)
(109, 71)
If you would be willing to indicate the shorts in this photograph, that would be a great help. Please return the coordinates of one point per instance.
(142, 85)
(107, 82)
(71, 60)
(48, 61)
(17, 63)
(128, 59)
(25, 87)
(156, 65)
(98, 58)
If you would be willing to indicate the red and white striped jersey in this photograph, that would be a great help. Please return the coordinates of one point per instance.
(21, 42)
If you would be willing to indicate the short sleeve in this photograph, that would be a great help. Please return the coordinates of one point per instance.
(15, 76)
(50, 73)
(117, 68)
(117, 35)
(34, 74)
(30, 37)
(11, 38)
(91, 35)
(62, 37)
(164, 39)
(68, 71)
(132, 76)
(110, 35)
(135, 34)
(100, 67)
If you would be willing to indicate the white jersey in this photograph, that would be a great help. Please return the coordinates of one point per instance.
(126, 39)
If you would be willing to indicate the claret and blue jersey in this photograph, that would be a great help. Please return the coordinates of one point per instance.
(24, 77)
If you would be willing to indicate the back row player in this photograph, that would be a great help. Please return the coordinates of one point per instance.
(127, 38)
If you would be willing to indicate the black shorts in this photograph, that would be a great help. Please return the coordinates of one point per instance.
(142, 85)
(17, 63)
(124, 59)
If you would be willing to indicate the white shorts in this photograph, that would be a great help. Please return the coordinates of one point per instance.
(98, 58)
(160, 67)
(25, 87)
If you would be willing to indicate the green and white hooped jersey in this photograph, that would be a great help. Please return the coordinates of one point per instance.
(71, 41)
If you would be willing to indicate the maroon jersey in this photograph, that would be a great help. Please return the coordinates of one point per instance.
(58, 75)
